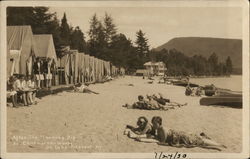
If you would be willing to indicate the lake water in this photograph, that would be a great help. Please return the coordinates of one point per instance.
(234, 82)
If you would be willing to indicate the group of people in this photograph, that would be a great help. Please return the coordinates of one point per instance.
(154, 132)
(194, 91)
(43, 69)
(154, 102)
(21, 90)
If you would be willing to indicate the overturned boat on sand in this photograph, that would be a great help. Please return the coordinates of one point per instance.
(224, 98)
(184, 83)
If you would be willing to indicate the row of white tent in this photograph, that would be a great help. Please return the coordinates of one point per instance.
(23, 46)
(85, 68)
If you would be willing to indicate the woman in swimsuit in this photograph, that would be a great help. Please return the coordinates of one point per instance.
(179, 138)
(143, 130)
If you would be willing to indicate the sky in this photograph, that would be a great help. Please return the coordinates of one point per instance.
(161, 24)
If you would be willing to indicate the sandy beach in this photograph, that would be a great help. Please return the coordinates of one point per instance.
(80, 122)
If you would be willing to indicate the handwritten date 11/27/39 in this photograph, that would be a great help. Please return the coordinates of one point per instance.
(177, 155)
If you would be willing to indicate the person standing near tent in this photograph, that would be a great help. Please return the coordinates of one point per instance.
(53, 73)
(48, 74)
(87, 76)
(45, 72)
(29, 65)
(42, 73)
(37, 68)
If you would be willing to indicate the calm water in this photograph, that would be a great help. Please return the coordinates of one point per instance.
(234, 82)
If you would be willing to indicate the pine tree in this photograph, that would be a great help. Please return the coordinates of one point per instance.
(109, 28)
(96, 43)
(229, 65)
(213, 63)
(121, 50)
(93, 30)
(65, 31)
(77, 40)
(40, 19)
(141, 44)
(20, 15)
(54, 29)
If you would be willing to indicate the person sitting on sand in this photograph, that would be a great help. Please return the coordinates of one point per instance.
(28, 90)
(179, 138)
(20, 87)
(11, 93)
(188, 91)
(83, 88)
(32, 90)
(150, 78)
(143, 129)
(198, 91)
(161, 80)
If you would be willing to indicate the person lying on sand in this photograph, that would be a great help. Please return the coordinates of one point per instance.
(140, 104)
(108, 78)
(169, 137)
(166, 103)
(143, 130)
(83, 88)
(154, 105)
(144, 104)
(151, 104)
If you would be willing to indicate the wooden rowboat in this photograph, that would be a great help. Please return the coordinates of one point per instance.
(184, 83)
(223, 100)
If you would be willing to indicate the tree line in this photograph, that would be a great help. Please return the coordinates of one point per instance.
(179, 64)
(106, 43)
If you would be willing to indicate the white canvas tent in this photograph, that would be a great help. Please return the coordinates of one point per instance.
(20, 47)
(44, 45)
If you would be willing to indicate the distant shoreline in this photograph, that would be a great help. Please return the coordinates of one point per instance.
(215, 76)
(234, 82)
(205, 76)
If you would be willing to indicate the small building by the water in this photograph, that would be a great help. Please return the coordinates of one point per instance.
(141, 72)
(155, 68)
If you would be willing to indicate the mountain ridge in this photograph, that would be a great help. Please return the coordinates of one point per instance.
(205, 46)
